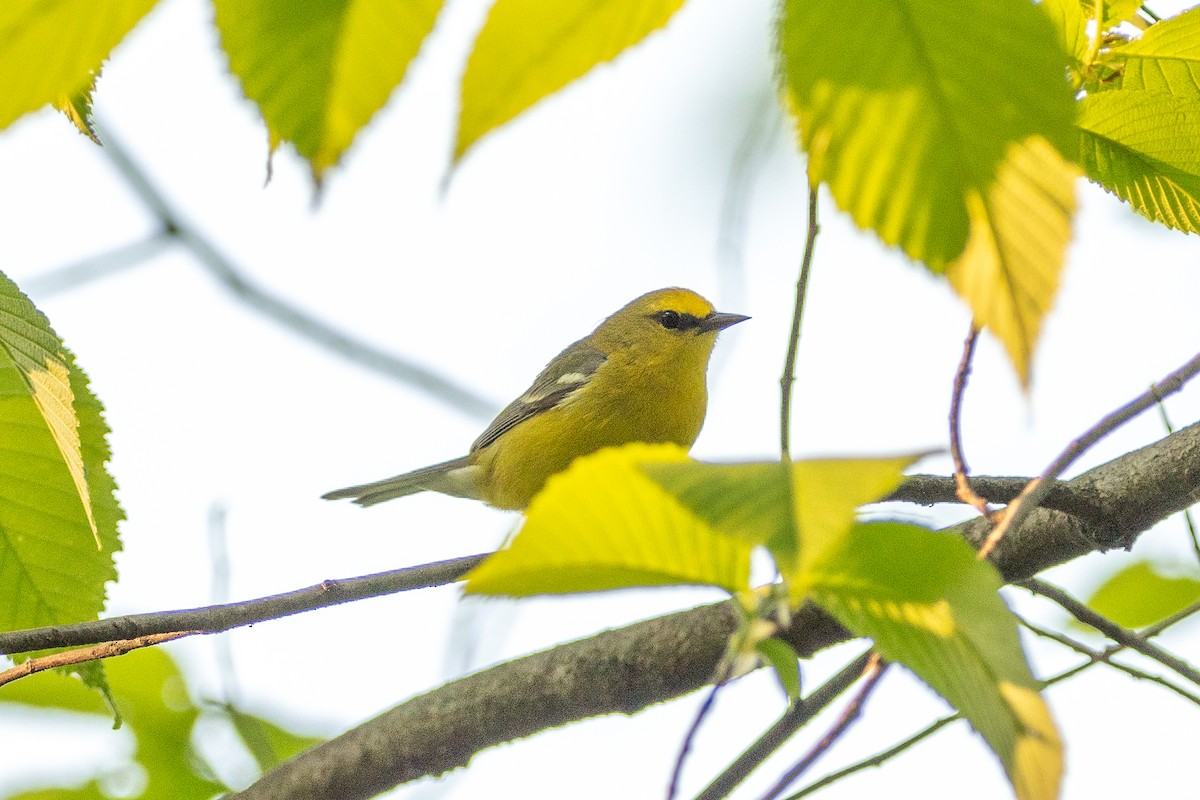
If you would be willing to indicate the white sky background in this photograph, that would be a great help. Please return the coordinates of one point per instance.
(609, 190)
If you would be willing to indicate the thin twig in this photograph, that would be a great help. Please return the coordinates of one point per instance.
(1018, 509)
(789, 367)
(260, 300)
(1187, 514)
(873, 672)
(886, 755)
(1121, 635)
(72, 657)
(1105, 657)
(100, 265)
(705, 707)
(877, 759)
(961, 484)
(796, 717)
(213, 619)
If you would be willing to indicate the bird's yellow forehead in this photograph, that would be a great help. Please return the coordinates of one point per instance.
(684, 301)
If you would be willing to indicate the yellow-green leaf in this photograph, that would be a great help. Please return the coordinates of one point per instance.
(930, 604)
(58, 513)
(1070, 24)
(529, 49)
(603, 524)
(151, 694)
(906, 109)
(1020, 228)
(826, 497)
(1114, 11)
(53, 48)
(1141, 595)
(1144, 147)
(1166, 58)
(319, 70)
(77, 108)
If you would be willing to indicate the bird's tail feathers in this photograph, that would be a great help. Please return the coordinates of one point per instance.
(455, 477)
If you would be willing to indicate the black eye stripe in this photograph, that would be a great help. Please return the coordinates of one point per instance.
(675, 320)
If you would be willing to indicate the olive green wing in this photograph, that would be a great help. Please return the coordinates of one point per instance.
(562, 377)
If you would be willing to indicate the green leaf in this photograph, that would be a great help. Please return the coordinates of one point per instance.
(930, 604)
(751, 502)
(529, 49)
(58, 512)
(53, 48)
(1144, 147)
(781, 658)
(1070, 23)
(1141, 595)
(1166, 57)
(77, 107)
(827, 495)
(906, 107)
(319, 70)
(1020, 228)
(912, 114)
(1115, 11)
(154, 700)
(603, 524)
(268, 743)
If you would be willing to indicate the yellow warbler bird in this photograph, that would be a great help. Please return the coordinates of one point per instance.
(639, 377)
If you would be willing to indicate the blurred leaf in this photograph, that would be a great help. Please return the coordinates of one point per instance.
(1115, 11)
(53, 48)
(1144, 147)
(784, 661)
(906, 109)
(828, 493)
(319, 70)
(751, 502)
(603, 524)
(1020, 228)
(926, 135)
(58, 512)
(1141, 595)
(529, 49)
(1166, 57)
(268, 743)
(152, 696)
(929, 604)
(1070, 23)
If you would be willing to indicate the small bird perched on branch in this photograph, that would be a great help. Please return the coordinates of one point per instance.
(639, 377)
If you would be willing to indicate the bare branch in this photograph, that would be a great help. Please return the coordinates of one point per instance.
(789, 366)
(289, 316)
(1124, 636)
(213, 619)
(962, 486)
(625, 670)
(1029, 499)
(72, 657)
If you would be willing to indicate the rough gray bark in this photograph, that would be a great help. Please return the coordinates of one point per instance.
(628, 669)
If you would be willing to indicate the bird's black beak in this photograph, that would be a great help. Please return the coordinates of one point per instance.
(717, 321)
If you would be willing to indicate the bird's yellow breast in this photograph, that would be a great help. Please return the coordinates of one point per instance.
(627, 400)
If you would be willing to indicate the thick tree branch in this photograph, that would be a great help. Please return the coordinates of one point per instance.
(625, 670)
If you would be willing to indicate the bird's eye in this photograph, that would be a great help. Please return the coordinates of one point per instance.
(669, 319)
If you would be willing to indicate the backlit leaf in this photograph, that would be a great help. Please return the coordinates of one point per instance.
(1144, 147)
(319, 70)
(603, 524)
(53, 48)
(58, 513)
(927, 602)
(529, 49)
